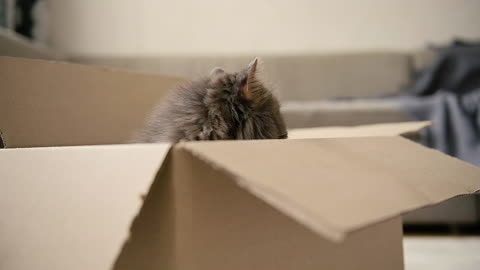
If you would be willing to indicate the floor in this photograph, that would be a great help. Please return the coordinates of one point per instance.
(442, 252)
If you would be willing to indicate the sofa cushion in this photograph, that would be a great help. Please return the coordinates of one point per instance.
(341, 113)
(300, 78)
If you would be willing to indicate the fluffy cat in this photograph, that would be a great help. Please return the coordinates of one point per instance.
(222, 106)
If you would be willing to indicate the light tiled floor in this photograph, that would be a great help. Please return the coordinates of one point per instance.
(442, 253)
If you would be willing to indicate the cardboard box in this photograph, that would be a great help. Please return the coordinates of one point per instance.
(44, 103)
(322, 203)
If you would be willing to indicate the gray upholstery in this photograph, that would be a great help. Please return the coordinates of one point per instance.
(298, 78)
(340, 113)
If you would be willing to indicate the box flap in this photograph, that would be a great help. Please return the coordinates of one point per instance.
(335, 186)
(71, 207)
(385, 129)
(45, 103)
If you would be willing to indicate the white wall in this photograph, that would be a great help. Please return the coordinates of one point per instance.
(133, 27)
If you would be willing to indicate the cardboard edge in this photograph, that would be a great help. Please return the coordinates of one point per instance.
(411, 129)
(415, 129)
(275, 200)
(455, 159)
(292, 210)
(417, 135)
(124, 253)
(99, 68)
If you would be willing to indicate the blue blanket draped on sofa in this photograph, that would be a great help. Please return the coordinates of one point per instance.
(448, 92)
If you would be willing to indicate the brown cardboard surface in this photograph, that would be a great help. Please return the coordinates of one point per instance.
(71, 207)
(335, 186)
(44, 103)
(216, 224)
(328, 203)
(385, 129)
(212, 204)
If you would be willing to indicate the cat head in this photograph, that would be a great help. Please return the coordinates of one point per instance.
(248, 108)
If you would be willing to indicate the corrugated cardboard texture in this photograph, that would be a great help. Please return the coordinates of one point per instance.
(52, 104)
(387, 129)
(200, 218)
(71, 207)
(335, 186)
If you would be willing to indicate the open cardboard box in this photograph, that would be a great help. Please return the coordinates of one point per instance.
(316, 203)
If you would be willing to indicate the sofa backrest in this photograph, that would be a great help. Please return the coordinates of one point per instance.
(299, 78)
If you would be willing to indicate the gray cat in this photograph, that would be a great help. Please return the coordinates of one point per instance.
(222, 106)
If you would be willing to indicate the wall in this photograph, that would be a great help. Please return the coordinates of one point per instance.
(154, 27)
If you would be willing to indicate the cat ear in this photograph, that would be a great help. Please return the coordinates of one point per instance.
(216, 74)
(251, 69)
(216, 71)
